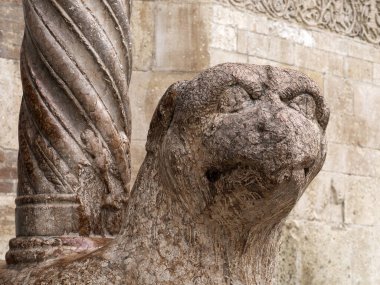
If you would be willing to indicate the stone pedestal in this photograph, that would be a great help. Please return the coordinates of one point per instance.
(30, 249)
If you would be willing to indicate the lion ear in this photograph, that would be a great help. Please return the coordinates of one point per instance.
(162, 118)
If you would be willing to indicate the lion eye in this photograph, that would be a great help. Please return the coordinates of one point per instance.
(304, 104)
(234, 99)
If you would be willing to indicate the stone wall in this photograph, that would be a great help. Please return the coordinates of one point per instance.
(333, 235)
(11, 30)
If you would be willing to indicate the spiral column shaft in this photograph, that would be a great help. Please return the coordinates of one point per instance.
(74, 127)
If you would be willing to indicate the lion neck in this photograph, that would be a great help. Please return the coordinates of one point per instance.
(159, 227)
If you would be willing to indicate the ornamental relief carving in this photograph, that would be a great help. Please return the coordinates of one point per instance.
(354, 18)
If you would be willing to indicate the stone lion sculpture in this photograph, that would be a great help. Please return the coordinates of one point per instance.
(229, 153)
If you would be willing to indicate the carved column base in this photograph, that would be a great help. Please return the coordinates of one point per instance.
(47, 215)
(47, 227)
(37, 249)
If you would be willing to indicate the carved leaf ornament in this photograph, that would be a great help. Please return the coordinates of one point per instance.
(353, 18)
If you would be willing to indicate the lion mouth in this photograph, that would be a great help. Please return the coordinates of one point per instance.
(238, 179)
(251, 182)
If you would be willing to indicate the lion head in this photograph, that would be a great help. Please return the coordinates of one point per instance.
(240, 143)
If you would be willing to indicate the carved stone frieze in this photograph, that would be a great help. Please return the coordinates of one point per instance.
(353, 18)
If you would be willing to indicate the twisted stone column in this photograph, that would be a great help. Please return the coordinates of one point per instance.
(74, 128)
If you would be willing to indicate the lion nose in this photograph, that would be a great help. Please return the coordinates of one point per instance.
(297, 139)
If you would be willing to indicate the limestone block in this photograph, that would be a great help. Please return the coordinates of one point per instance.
(347, 129)
(181, 40)
(142, 27)
(10, 100)
(358, 69)
(362, 200)
(366, 255)
(323, 200)
(318, 60)
(7, 206)
(260, 24)
(344, 126)
(286, 271)
(223, 37)
(145, 91)
(230, 17)
(7, 221)
(376, 73)
(8, 165)
(242, 41)
(218, 56)
(339, 94)
(258, 45)
(363, 50)
(281, 50)
(354, 160)
(291, 32)
(11, 28)
(320, 254)
(331, 42)
(7, 187)
(366, 108)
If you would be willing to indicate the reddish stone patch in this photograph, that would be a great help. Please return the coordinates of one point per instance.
(8, 173)
(7, 187)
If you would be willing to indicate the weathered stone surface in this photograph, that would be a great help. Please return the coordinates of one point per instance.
(358, 69)
(354, 160)
(292, 33)
(366, 254)
(332, 43)
(311, 265)
(376, 73)
(362, 200)
(223, 37)
(143, 31)
(230, 17)
(281, 50)
(7, 221)
(258, 44)
(8, 164)
(220, 56)
(242, 41)
(366, 111)
(324, 200)
(11, 26)
(228, 155)
(186, 23)
(10, 100)
(7, 187)
(344, 260)
(340, 95)
(319, 60)
(8, 183)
